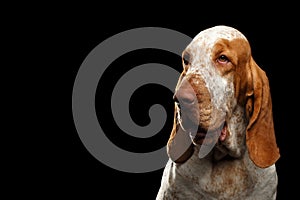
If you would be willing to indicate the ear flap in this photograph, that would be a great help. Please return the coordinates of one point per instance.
(260, 135)
(179, 147)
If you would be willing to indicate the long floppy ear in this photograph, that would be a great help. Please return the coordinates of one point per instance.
(179, 147)
(260, 135)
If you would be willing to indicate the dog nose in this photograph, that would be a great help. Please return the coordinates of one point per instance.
(183, 98)
(185, 94)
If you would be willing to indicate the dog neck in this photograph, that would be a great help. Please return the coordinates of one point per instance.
(234, 145)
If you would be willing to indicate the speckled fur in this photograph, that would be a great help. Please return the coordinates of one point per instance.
(232, 179)
(227, 172)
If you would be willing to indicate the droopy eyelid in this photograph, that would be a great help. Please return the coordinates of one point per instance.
(223, 59)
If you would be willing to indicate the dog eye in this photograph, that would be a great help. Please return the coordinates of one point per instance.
(223, 59)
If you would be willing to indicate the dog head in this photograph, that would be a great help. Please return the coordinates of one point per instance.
(222, 100)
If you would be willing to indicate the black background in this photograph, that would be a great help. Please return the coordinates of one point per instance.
(61, 165)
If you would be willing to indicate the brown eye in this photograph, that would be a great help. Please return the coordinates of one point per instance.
(186, 58)
(223, 59)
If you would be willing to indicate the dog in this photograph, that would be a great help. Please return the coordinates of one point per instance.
(222, 145)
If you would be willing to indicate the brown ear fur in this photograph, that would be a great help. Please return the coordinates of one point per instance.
(179, 147)
(260, 135)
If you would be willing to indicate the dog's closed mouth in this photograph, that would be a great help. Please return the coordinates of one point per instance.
(202, 136)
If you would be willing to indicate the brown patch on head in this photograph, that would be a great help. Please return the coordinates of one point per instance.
(242, 78)
(238, 52)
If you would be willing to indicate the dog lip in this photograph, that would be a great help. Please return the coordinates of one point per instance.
(202, 133)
